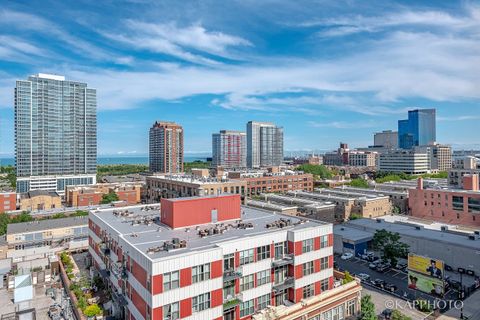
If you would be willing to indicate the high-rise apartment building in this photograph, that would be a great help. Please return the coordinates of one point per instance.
(166, 147)
(229, 149)
(418, 130)
(264, 144)
(386, 139)
(440, 156)
(55, 133)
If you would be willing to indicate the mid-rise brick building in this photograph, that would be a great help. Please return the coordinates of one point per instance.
(81, 196)
(8, 201)
(455, 206)
(209, 258)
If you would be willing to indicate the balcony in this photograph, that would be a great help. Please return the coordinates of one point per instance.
(288, 282)
(104, 248)
(230, 275)
(232, 300)
(284, 260)
(119, 298)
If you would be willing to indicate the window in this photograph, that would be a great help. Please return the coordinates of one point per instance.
(457, 203)
(324, 285)
(323, 263)
(324, 241)
(307, 268)
(201, 302)
(263, 252)
(473, 205)
(246, 308)
(246, 282)
(263, 277)
(350, 308)
(307, 245)
(228, 262)
(170, 280)
(308, 291)
(280, 249)
(171, 311)
(201, 273)
(246, 256)
(263, 301)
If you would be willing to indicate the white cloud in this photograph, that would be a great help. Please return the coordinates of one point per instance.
(168, 38)
(344, 124)
(459, 118)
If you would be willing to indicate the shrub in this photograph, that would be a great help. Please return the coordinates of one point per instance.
(92, 310)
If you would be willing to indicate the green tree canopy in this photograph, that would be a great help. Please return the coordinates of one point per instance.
(389, 244)
(359, 183)
(109, 198)
(92, 310)
(318, 170)
(367, 309)
(397, 315)
(348, 278)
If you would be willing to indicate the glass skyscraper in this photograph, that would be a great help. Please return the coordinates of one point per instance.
(55, 133)
(418, 130)
(264, 144)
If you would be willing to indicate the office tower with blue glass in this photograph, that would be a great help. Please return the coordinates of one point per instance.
(418, 130)
(55, 133)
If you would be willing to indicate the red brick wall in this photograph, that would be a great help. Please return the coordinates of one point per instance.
(8, 202)
(139, 303)
(139, 273)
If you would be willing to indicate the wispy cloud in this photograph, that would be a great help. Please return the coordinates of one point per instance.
(459, 118)
(344, 124)
(168, 38)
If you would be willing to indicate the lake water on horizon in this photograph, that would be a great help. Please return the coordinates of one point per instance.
(104, 160)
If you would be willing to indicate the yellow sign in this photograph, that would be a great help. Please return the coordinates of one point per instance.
(427, 266)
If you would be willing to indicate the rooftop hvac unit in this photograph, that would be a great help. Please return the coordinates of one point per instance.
(418, 227)
(472, 237)
(444, 228)
(477, 232)
(379, 220)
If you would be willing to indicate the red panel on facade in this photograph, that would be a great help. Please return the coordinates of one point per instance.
(316, 243)
(298, 294)
(291, 247)
(330, 261)
(185, 308)
(330, 240)
(216, 269)
(237, 259)
(298, 248)
(217, 298)
(330, 283)
(139, 273)
(185, 277)
(157, 313)
(157, 284)
(179, 212)
(316, 265)
(298, 271)
(139, 303)
(317, 287)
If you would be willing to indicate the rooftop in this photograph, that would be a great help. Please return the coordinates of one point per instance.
(141, 228)
(188, 178)
(35, 193)
(48, 224)
(352, 234)
(408, 227)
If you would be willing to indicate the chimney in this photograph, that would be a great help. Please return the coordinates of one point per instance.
(420, 183)
(470, 182)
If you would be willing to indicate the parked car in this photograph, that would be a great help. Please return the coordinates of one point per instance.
(401, 266)
(386, 314)
(382, 267)
(448, 268)
(373, 265)
(372, 258)
(379, 283)
(390, 287)
(363, 276)
(346, 256)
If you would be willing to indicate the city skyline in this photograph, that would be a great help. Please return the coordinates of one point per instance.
(320, 74)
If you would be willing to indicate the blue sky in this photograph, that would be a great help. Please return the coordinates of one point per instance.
(327, 71)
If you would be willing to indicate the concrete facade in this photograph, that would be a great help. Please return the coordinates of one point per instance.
(39, 200)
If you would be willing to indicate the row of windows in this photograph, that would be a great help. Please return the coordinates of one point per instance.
(247, 282)
(199, 303)
(171, 280)
(248, 307)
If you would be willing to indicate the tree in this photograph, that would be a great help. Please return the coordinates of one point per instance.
(367, 309)
(359, 183)
(389, 244)
(109, 198)
(92, 310)
(397, 315)
(318, 170)
(348, 278)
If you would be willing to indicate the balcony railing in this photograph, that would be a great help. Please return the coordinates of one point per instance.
(232, 300)
(288, 282)
(229, 275)
(119, 298)
(283, 260)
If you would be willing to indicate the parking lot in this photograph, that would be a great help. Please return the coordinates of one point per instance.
(392, 276)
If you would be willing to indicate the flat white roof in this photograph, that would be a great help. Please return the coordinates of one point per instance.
(51, 76)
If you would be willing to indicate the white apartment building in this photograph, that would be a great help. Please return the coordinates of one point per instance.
(407, 161)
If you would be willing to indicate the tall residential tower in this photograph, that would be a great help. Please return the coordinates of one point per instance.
(166, 147)
(264, 144)
(229, 149)
(55, 133)
(418, 130)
